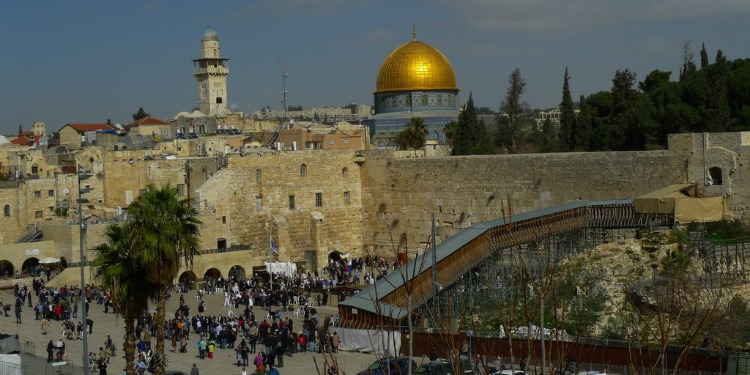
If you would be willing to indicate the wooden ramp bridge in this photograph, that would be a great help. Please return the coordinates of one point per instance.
(566, 228)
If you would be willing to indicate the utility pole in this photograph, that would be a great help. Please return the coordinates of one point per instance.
(81, 227)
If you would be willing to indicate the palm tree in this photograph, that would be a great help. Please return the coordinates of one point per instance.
(117, 269)
(413, 136)
(167, 229)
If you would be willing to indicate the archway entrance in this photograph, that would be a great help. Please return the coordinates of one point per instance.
(187, 279)
(212, 273)
(6, 269)
(30, 266)
(237, 273)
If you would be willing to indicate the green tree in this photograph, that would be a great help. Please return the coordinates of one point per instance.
(118, 269)
(413, 136)
(704, 56)
(167, 229)
(584, 128)
(484, 111)
(601, 106)
(511, 117)
(469, 135)
(624, 99)
(567, 117)
(140, 114)
(718, 118)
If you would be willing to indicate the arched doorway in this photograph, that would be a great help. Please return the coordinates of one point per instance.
(237, 273)
(187, 280)
(6, 269)
(212, 273)
(30, 266)
(221, 245)
(63, 262)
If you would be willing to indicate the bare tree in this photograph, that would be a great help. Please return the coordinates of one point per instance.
(511, 116)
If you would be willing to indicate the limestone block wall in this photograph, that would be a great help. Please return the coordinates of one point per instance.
(401, 194)
(66, 236)
(728, 154)
(17, 254)
(249, 200)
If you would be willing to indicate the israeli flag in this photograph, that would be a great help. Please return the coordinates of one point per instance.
(274, 248)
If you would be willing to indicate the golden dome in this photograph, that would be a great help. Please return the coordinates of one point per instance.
(416, 66)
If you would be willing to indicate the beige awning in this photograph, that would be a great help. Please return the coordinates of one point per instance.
(699, 209)
(662, 201)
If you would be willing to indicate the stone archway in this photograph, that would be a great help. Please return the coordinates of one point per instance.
(187, 280)
(212, 273)
(7, 269)
(30, 266)
(237, 273)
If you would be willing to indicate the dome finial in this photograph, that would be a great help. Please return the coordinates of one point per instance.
(414, 32)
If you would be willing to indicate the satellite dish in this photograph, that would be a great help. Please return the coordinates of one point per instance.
(66, 191)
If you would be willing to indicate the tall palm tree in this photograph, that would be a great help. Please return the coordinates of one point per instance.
(413, 136)
(167, 229)
(118, 270)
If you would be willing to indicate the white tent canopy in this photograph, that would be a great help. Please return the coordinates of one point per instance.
(49, 260)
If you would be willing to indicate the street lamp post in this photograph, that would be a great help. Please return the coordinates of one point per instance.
(81, 227)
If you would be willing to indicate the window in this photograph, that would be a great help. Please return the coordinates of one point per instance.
(6, 210)
(345, 172)
(346, 141)
(331, 141)
(181, 189)
(34, 169)
(291, 202)
(318, 199)
(37, 194)
(714, 176)
(258, 202)
(223, 219)
(346, 198)
(50, 193)
(39, 214)
(303, 170)
(258, 175)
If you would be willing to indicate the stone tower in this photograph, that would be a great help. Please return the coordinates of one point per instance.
(211, 72)
(38, 128)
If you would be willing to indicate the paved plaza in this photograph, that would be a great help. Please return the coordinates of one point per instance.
(224, 361)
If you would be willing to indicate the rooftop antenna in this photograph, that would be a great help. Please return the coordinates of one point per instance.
(414, 32)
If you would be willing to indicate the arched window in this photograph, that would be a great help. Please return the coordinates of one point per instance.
(116, 147)
(258, 175)
(345, 172)
(715, 173)
(303, 170)
(34, 169)
(6, 210)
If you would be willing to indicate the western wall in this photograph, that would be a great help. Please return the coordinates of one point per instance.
(317, 201)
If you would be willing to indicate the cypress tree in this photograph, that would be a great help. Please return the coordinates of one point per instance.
(469, 135)
(567, 117)
(704, 56)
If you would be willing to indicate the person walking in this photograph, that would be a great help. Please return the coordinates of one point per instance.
(18, 311)
(50, 349)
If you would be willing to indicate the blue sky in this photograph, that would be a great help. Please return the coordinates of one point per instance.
(75, 61)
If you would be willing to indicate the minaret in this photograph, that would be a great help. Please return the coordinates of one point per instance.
(211, 72)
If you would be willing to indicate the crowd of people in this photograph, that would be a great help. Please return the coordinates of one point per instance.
(253, 326)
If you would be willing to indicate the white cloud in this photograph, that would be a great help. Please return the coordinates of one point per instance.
(546, 17)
